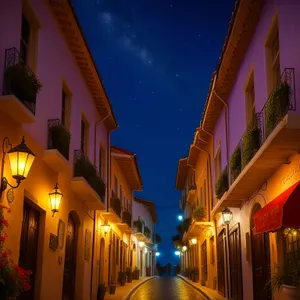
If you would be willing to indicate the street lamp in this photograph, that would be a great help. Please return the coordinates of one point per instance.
(194, 241)
(157, 254)
(227, 216)
(180, 217)
(21, 159)
(141, 244)
(55, 199)
(105, 227)
(184, 248)
(177, 253)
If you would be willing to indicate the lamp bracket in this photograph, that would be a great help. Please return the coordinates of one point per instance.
(3, 187)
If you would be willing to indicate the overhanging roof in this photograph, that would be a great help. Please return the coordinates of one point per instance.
(150, 205)
(182, 172)
(128, 164)
(242, 25)
(65, 16)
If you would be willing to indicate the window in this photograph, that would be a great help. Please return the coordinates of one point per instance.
(102, 162)
(25, 35)
(250, 99)
(218, 164)
(212, 250)
(273, 55)
(204, 261)
(292, 246)
(201, 197)
(84, 136)
(204, 193)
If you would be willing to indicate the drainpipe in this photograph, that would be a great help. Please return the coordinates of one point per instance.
(226, 130)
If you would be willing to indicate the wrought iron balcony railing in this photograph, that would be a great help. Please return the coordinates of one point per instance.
(126, 217)
(115, 204)
(84, 168)
(58, 137)
(19, 79)
(280, 101)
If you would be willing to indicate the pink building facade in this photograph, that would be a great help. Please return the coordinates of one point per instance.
(67, 125)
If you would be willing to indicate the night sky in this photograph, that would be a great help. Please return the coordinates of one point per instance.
(156, 59)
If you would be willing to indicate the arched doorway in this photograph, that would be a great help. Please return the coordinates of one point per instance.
(101, 261)
(260, 261)
(70, 260)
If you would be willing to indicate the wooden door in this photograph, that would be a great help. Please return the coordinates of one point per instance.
(28, 246)
(260, 262)
(221, 250)
(261, 266)
(236, 279)
(70, 261)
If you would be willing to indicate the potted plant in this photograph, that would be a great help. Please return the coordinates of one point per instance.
(287, 279)
(101, 291)
(122, 278)
(195, 276)
(129, 274)
(136, 273)
(112, 288)
(199, 213)
(13, 279)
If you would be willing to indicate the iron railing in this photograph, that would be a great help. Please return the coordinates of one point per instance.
(115, 204)
(280, 101)
(18, 79)
(84, 168)
(59, 137)
(126, 217)
(147, 232)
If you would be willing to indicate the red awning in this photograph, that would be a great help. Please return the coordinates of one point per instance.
(282, 212)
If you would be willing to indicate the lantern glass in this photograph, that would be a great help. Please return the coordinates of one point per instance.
(21, 159)
(55, 199)
(194, 241)
(106, 228)
(184, 248)
(227, 216)
(141, 244)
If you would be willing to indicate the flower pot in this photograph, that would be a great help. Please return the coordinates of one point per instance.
(112, 289)
(101, 292)
(129, 277)
(291, 292)
(123, 281)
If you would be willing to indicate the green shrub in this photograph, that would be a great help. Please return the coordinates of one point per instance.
(185, 225)
(236, 163)
(199, 213)
(60, 139)
(277, 106)
(138, 225)
(222, 184)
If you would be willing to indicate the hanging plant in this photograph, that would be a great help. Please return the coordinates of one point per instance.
(13, 279)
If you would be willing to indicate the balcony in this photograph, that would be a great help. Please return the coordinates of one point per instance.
(115, 209)
(20, 87)
(57, 154)
(198, 225)
(125, 225)
(87, 183)
(191, 194)
(270, 140)
(140, 233)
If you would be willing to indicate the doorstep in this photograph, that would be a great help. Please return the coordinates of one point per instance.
(209, 294)
(123, 292)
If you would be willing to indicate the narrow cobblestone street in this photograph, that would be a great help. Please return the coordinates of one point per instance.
(171, 288)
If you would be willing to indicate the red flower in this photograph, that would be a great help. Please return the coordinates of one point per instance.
(4, 222)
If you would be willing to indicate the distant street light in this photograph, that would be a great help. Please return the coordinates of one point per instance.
(180, 217)
(157, 254)
(177, 253)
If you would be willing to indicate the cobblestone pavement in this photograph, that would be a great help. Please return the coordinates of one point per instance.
(168, 288)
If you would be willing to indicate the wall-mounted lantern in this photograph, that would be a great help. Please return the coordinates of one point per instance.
(141, 244)
(106, 227)
(55, 199)
(227, 216)
(21, 159)
(194, 241)
(184, 248)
